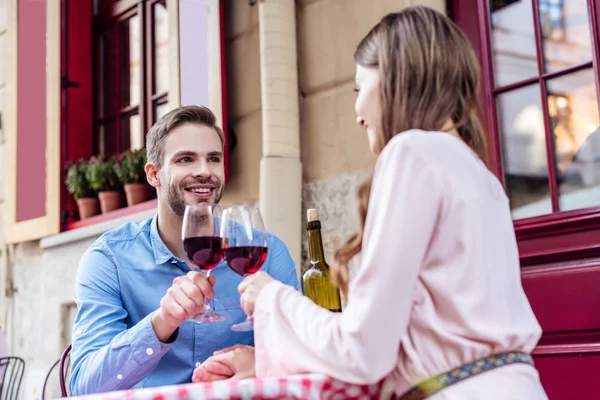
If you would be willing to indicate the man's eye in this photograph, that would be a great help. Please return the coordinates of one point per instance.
(184, 160)
(214, 159)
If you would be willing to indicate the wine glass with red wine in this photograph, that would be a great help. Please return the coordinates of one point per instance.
(203, 247)
(244, 245)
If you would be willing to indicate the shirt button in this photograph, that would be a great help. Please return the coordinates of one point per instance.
(198, 364)
(119, 377)
(149, 351)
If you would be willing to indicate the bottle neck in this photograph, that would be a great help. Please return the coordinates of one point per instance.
(315, 243)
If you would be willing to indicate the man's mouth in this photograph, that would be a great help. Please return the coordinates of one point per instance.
(201, 191)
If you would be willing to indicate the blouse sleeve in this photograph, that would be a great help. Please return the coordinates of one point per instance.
(359, 345)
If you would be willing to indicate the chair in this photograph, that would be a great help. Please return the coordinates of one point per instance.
(63, 364)
(65, 359)
(44, 396)
(11, 369)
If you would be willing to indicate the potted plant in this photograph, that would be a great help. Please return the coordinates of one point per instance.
(79, 187)
(103, 179)
(129, 168)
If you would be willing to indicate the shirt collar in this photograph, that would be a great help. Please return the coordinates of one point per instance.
(162, 254)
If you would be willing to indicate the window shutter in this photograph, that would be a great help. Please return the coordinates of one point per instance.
(32, 165)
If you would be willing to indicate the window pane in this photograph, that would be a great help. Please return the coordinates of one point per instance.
(566, 33)
(108, 69)
(513, 41)
(573, 112)
(161, 48)
(161, 110)
(523, 143)
(102, 6)
(131, 43)
(131, 133)
(106, 139)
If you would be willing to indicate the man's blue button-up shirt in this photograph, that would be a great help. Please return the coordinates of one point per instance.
(120, 281)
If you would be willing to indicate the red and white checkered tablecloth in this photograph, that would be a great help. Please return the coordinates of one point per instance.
(310, 386)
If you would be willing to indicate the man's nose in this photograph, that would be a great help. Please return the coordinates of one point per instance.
(202, 170)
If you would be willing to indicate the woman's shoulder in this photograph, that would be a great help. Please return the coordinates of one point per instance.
(415, 144)
(421, 140)
(433, 147)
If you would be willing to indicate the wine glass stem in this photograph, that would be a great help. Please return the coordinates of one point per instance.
(249, 318)
(206, 309)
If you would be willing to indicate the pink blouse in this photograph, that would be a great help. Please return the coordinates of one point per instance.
(438, 284)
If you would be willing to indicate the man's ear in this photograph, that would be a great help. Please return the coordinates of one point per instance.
(152, 174)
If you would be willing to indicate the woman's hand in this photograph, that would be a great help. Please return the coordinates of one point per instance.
(235, 362)
(250, 289)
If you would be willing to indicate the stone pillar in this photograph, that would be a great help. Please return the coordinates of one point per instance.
(280, 167)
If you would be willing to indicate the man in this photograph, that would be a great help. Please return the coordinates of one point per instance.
(124, 334)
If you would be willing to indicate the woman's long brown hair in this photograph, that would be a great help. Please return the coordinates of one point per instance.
(429, 74)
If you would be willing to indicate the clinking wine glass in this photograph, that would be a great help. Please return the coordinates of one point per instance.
(203, 247)
(245, 245)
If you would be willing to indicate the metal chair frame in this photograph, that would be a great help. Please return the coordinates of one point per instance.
(12, 368)
(63, 371)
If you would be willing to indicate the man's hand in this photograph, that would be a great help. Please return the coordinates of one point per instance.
(185, 298)
(235, 362)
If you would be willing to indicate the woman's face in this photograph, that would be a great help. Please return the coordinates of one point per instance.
(367, 107)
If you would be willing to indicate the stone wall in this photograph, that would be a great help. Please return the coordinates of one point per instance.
(335, 152)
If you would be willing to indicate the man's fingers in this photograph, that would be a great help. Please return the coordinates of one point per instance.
(205, 286)
(185, 302)
(172, 307)
(193, 292)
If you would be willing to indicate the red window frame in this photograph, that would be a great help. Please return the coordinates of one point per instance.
(111, 19)
(80, 91)
(563, 234)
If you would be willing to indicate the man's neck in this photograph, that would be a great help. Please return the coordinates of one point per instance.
(169, 229)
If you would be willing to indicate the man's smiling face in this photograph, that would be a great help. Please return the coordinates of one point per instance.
(192, 170)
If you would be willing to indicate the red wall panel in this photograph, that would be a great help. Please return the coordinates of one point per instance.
(565, 297)
(570, 377)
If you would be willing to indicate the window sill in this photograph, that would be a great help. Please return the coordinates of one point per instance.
(557, 223)
(97, 225)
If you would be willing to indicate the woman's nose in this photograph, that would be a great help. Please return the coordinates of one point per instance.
(360, 121)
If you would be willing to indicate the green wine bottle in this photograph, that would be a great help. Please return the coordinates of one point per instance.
(316, 281)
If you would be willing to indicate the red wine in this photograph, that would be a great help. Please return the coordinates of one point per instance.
(245, 259)
(204, 251)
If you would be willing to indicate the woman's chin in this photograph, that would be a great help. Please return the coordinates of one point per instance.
(373, 142)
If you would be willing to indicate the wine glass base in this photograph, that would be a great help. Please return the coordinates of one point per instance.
(245, 326)
(212, 317)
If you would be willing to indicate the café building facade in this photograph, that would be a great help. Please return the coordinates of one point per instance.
(83, 78)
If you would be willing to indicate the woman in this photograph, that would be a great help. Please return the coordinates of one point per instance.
(438, 285)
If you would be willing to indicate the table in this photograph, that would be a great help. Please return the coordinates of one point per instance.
(309, 386)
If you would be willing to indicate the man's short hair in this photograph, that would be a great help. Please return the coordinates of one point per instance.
(155, 138)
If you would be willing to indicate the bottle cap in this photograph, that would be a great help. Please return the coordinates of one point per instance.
(312, 215)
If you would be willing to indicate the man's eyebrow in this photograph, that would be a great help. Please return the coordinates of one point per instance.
(184, 153)
(215, 154)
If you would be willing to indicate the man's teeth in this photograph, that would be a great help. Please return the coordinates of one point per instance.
(200, 190)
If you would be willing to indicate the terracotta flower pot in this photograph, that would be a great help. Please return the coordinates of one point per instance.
(88, 207)
(110, 201)
(137, 193)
